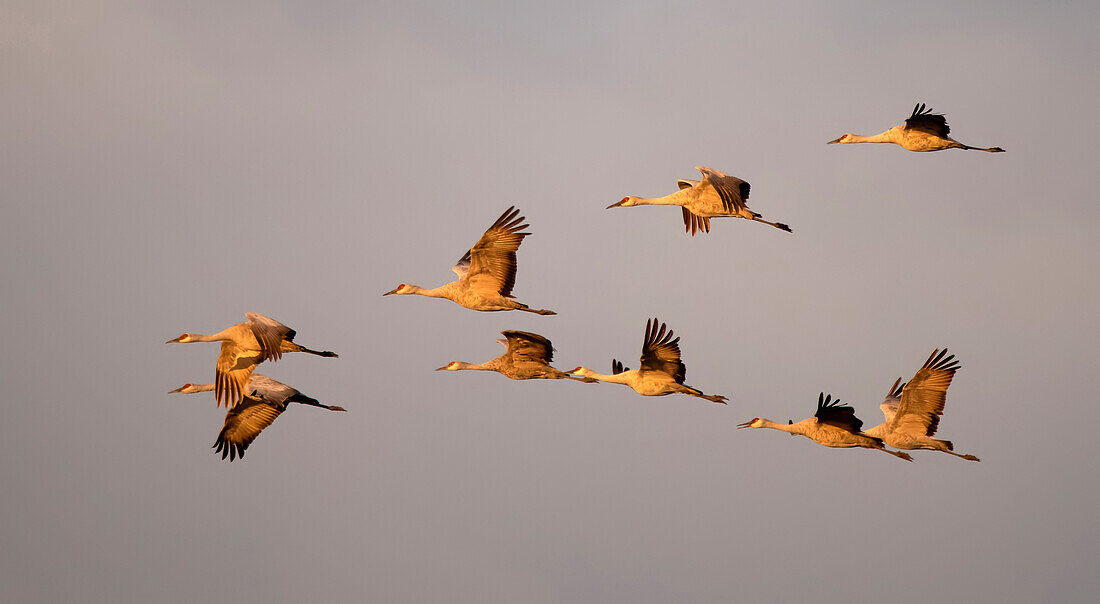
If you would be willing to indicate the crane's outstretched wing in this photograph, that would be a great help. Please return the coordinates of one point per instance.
(272, 392)
(660, 352)
(617, 367)
(243, 424)
(686, 183)
(889, 405)
(463, 265)
(923, 120)
(734, 192)
(493, 258)
(836, 413)
(234, 367)
(923, 398)
(693, 223)
(523, 345)
(270, 334)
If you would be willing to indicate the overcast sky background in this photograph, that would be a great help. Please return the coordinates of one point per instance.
(167, 167)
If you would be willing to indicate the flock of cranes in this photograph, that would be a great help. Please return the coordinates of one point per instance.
(487, 275)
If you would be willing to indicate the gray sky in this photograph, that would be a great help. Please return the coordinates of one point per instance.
(168, 167)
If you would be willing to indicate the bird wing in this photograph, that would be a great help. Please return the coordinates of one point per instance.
(234, 367)
(272, 392)
(617, 367)
(493, 257)
(734, 192)
(923, 120)
(693, 223)
(660, 352)
(528, 346)
(923, 398)
(836, 413)
(686, 183)
(270, 334)
(243, 424)
(889, 405)
(463, 265)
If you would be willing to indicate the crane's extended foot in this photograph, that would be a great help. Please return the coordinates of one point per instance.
(780, 225)
(320, 353)
(904, 456)
(966, 457)
(716, 398)
(586, 380)
(538, 311)
(995, 150)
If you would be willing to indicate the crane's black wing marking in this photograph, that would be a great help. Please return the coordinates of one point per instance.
(923, 120)
(836, 413)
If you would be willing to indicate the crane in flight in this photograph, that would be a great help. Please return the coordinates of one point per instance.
(244, 346)
(912, 410)
(922, 131)
(527, 357)
(661, 372)
(486, 272)
(834, 425)
(265, 399)
(717, 195)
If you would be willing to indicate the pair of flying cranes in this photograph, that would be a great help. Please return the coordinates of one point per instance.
(487, 274)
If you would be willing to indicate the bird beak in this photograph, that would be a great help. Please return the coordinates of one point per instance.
(392, 291)
(744, 425)
(615, 205)
(180, 389)
(174, 340)
(444, 367)
(837, 140)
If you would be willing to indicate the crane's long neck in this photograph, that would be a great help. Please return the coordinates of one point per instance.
(217, 337)
(675, 199)
(625, 377)
(788, 428)
(883, 137)
(460, 366)
(435, 292)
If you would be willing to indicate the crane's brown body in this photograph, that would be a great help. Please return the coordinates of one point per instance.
(528, 357)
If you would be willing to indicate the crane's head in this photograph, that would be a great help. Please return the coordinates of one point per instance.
(581, 371)
(183, 338)
(843, 139)
(452, 366)
(186, 389)
(755, 422)
(404, 288)
(625, 202)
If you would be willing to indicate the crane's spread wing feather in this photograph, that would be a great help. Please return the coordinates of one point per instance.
(836, 413)
(889, 405)
(526, 346)
(243, 424)
(493, 258)
(686, 183)
(272, 392)
(231, 374)
(270, 334)
(693, 223)
(733, 191)
(660, 352)
(923, 398)
(463, 265)
(923, 120)
(617, 367)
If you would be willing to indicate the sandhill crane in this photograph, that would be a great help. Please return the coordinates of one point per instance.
(264, 400)
(486, 272)
(922, 131)
(834, 425)
(528, 357)
(244, 346)
(661, 370)
(718, 195)
(913, 410)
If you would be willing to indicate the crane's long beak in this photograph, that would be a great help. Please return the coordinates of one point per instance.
(444, 367)
(392, 291)
(836, 140)
(174, 340)
(180, 389)
(744, 425)
(616, 204)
